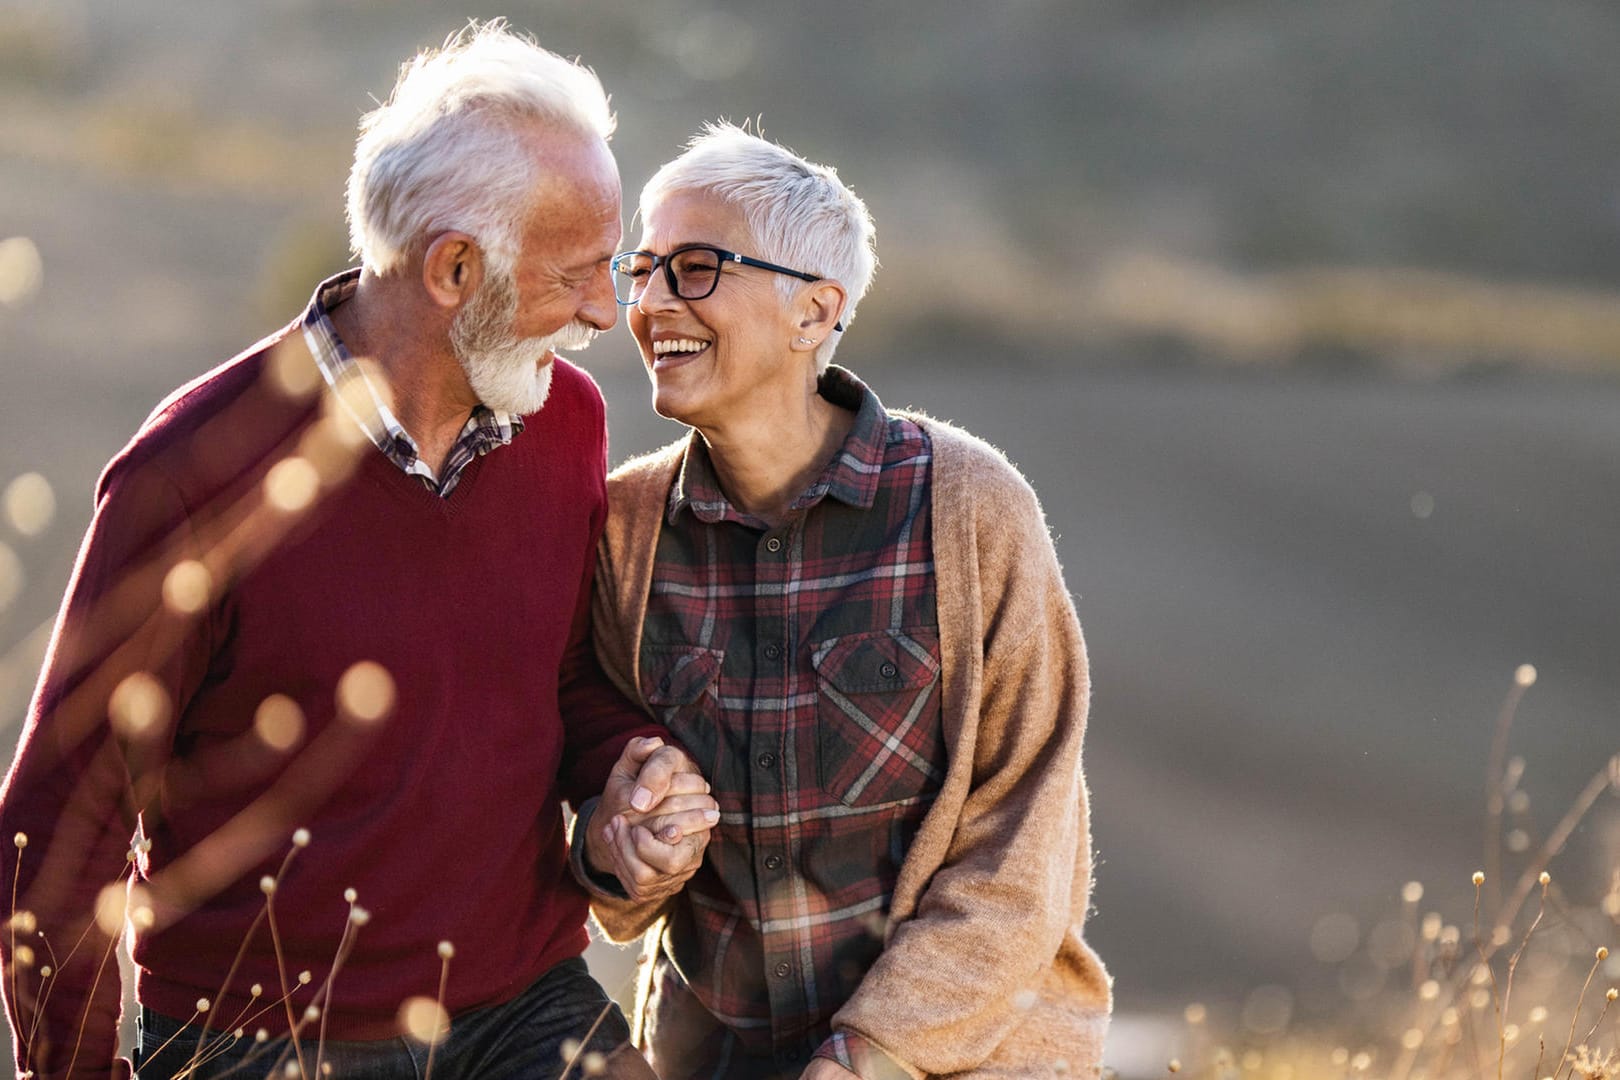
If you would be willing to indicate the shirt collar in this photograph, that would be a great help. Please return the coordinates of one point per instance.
(359, 395)
(852, 476)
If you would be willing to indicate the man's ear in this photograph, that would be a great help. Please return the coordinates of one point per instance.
(452, 268)
(821, 306)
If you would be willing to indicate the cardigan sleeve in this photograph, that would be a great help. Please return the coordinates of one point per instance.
(973, 961)
(120, 668)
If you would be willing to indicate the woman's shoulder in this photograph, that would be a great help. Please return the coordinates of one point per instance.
(646, 471)
(971, 467)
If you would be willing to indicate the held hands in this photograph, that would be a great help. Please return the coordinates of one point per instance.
(827, 1069)
(653, 821)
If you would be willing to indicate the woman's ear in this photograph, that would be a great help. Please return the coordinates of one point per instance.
(821, 308)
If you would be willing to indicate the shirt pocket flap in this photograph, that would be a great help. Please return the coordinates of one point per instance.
(678, 674)
(879, 662)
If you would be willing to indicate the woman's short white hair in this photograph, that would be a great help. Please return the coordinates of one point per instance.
(446, 151)
(799, 214)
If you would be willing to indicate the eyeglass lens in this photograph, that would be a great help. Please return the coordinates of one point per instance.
(695, 272)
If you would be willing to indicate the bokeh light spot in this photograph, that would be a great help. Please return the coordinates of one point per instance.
(1391, 943)
(1267, 1009)
(139, 706)
(12, 576)
(292, 372)
(423, 1019)
(22, 271)
(112, 903)
(291, 484)
(279, 722)
(30, 504)
(712, 46)
(187, 587)
(1334, 937)
(327, 445)
(366, 692)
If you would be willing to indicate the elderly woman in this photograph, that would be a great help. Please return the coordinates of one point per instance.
(855, 621)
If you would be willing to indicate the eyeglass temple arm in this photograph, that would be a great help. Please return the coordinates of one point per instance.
(736, 258)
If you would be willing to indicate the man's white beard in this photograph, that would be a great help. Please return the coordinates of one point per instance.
(503, 369)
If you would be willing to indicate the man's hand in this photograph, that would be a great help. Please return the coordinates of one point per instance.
(652, 823)
(827, 1069)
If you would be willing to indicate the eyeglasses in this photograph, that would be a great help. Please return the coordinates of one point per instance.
(691, 272)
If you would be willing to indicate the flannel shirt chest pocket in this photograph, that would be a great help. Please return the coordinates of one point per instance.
(679, 682)
(879, 737)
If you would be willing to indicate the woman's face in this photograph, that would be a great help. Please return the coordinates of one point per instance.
(727, 358)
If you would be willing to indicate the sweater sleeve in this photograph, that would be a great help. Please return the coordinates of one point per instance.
(598, 720)
(968, 967)
(616, 610)
(120, 669)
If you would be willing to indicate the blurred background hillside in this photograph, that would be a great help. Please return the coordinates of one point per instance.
(1303, 317)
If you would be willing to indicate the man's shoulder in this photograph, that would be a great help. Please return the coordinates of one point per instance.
(253, 395)
(573, 389)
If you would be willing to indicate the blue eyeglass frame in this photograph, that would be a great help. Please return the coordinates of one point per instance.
(724, 257)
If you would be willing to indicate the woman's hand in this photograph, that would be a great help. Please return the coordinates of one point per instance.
(652, 824)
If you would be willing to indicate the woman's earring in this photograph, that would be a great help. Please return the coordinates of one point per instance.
(806, 341)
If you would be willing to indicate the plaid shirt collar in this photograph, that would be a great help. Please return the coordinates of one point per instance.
(486, 428)
(852, 477)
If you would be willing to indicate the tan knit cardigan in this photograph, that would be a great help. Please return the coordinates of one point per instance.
(984, 972)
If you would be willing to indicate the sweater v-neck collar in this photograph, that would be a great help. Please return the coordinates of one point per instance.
(412, 490)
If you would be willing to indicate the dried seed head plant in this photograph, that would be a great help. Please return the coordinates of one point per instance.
(1521, 993)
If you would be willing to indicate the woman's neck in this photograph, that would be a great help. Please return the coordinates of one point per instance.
(764, 464)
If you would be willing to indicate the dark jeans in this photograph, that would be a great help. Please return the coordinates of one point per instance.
(521, 1039)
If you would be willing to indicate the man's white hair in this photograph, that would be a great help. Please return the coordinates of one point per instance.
(446, 151)
(799, 214)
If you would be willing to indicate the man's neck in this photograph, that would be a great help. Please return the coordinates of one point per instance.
(426, 387)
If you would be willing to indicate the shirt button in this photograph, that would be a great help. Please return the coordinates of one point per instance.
(773, 545)
(783, 970)
(767, 760)
(773, 862)
(773, 651)
(888, 671)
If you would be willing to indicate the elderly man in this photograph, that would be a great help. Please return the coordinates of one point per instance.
(323, 670)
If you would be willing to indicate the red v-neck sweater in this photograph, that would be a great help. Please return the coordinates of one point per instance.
(443, 814)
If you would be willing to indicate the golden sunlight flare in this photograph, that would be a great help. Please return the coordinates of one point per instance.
(30, 504)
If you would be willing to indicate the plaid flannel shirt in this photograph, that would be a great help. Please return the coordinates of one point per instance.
(799, 665)
(485, 428)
